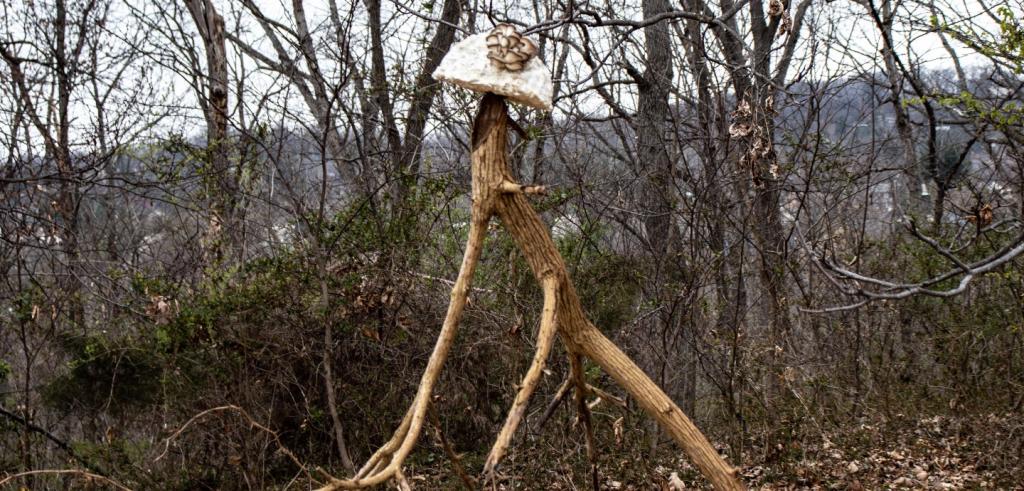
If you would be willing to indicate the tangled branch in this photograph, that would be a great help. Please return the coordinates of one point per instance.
(872, 289)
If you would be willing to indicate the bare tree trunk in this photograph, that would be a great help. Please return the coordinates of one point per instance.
(220, 180)
(769, 231)
(916, 190)
(405, 150)
(658, 197)
(379, 88)
(55, 130)
(68, 196)
(899, 74)
(658, 192)
(426, 89)
(730, 284)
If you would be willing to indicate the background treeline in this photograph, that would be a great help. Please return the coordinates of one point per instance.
(798, 216)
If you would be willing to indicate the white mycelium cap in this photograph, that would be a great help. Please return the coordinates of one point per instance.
(501, 61)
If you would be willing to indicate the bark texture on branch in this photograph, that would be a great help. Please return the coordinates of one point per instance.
(580, 336)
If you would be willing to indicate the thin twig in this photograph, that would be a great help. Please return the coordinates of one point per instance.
(555, 401)
(56, 441)
(468, 482)
(583, 412)
(86, 475)
(252, 422)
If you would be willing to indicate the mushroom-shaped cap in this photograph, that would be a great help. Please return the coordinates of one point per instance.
(501, 61)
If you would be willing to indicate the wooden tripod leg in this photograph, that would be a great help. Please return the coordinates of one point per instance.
(545, 338)
(404, 439)
(492, 194)
(531, 235)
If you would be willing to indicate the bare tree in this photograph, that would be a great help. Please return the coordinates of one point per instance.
(214, 104)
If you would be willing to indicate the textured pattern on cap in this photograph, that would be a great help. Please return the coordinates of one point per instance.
(508, 49)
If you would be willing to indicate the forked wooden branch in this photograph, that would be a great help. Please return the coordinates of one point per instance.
(494, 192)
(545, 338)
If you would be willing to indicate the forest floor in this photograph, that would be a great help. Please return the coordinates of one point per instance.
(939, 452)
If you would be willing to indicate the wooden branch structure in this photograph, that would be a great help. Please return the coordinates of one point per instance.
(492, 195)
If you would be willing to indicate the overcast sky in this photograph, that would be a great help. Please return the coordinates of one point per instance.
(854, 47)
